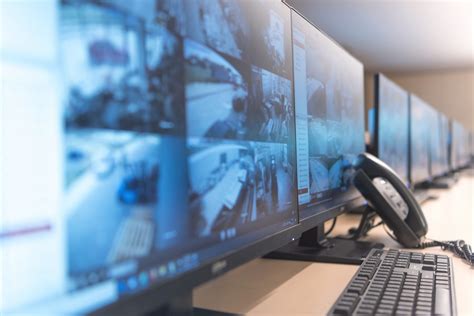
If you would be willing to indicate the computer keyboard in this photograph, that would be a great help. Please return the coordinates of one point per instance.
(394, 282)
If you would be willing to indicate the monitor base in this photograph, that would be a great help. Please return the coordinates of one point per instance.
(313, 246)
(182, 305)
(423, 195)
(443, 182)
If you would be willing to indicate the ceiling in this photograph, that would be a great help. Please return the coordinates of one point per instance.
(398, 35)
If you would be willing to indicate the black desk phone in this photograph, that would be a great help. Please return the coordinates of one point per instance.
(395, 204)
(391, 199)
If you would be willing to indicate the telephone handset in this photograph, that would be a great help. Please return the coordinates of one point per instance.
(391, 199)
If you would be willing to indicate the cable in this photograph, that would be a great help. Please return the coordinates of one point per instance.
(355, 233)
(376, 225)
(388, 232)
(332, 226)
(459, 247)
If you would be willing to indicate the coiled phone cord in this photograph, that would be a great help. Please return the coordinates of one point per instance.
(458, 247)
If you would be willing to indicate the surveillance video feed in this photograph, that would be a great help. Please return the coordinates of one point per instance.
(124, 181)
(217, 99)
(393, 126)
(234, 183)
(420, 139)
(329, 113)
(155, 139)
(271, 29)
(272, 113)
(221, 25)
(116, 82)
(226, 98)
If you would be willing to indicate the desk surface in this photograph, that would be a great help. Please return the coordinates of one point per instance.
(283, 287)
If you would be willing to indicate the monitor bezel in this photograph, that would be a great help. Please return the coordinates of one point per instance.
(151, 299)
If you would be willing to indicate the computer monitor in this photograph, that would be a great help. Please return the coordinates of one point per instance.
(460, 146)
(147, 147)
(391, 131)
(420, 129)
(439, 162)
(471, 144)
(329, 104)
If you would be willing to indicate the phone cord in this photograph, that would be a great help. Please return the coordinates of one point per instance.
(458, 247)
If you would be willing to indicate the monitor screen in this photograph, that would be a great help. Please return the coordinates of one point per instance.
(439, 144)
(460, 146)
(392, 134)
(329, 105)
(140, 141)
(420, 129)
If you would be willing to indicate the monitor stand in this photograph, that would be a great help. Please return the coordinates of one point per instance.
(314, 246)
(423, 195)
(444, 182)
(182, 305)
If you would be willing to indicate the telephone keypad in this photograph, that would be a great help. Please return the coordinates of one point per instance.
(392, 195)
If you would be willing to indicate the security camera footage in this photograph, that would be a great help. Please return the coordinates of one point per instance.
(235, 182)
(329, 113)
(393, 126)
(173, 124)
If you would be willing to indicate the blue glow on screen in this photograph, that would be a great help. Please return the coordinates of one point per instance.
(439, 144)
(420, 121)
(140, 140)
(393, 126)
(460, 147)
(329, 104)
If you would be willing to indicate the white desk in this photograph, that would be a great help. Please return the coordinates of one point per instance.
(281, 287)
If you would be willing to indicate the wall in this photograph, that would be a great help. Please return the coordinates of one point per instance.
(451, 92)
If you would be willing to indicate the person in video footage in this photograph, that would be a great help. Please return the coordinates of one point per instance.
(164, 91)
(267, 185)
(233, 125)
(275, 116)
(271, 115)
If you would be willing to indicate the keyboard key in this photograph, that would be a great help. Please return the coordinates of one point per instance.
(428, 267)
(430, 261)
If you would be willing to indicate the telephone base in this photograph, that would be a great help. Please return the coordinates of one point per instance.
(335, 250)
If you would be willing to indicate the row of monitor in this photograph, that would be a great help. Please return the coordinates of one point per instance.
(418, 141)
(150, 146)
